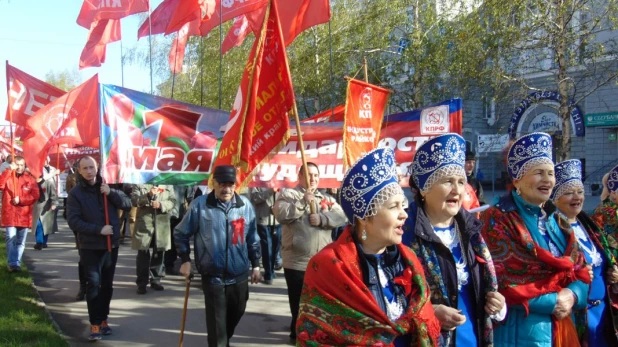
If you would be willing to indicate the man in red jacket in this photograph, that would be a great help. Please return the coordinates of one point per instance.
(20, 193)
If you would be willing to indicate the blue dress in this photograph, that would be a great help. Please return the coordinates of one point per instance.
(596, 299)
(465, 333)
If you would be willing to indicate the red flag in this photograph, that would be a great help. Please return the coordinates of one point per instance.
(177, 52)
(259, 121)
(70, 119)
(331, 115)
(26, 95)
(95, 10)
(231, 10)
(364, 109)
(188, 11)
(102, 32)
(159, 18)
(296, 16)
(235, 37)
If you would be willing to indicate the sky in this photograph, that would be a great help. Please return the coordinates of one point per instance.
(39, 36)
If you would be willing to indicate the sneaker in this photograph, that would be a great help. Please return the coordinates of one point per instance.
(95, 333)
(105, 329)
(156, 286)
(278, 266)
(141, 290)
(38, 246)
(44, 245)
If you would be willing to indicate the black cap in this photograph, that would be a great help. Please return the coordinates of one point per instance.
(470, 155)
(225, 174)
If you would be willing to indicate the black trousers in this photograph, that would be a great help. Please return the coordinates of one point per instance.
(294, 279)
(225, 306)
(172, 255)
(149, 269)
(99, 267)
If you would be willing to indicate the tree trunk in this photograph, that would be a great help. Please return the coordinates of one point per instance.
(563, 141)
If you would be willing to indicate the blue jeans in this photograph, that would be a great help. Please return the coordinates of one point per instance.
(39, 234)
(15, 243)
(270, 240)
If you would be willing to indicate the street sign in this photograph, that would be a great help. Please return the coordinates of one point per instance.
(601, 119)
(492, 143)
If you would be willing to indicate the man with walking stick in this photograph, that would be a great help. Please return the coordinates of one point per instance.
(85, 203)
(155, 206)
(226, 246)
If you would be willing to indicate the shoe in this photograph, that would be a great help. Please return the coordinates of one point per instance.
(269, 282)
(156, 286)
(278, 267)
(81, 295)
(15, 269)
(38, 246)
(10, 269)
(44, 245)
(95, 333)
(105, 329)
(141, 290)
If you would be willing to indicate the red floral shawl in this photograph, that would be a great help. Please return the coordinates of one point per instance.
(337, 308)
(524, 269)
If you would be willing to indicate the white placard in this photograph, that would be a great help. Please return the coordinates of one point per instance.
(62, 185)
(492, 143)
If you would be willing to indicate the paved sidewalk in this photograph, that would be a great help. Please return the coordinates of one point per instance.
(152, 319)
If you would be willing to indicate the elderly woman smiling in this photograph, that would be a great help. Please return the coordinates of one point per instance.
(447, 240)
(538, 261)
(568, 197)
(366, 288)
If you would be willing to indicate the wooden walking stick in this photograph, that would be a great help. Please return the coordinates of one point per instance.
(184, 310)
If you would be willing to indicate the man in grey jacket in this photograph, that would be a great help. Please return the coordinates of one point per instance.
(268, 228)
(305, 231)
(226, 245)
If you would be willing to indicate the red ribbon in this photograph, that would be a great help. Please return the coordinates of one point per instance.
(325, 204)
(238, 227)
(405, 280)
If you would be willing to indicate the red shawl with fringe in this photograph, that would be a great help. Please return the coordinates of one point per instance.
(337, 308)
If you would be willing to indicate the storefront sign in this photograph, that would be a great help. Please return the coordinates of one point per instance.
(601, 119)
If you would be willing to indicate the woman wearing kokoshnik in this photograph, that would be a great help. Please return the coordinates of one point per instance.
(366, 288)
(541, 269)
(568, 198)
(606, 214)
(447, 240)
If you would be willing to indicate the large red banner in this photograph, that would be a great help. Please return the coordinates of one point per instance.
(67, 120)
(364, 110)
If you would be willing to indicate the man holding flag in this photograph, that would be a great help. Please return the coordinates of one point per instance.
(85, 203)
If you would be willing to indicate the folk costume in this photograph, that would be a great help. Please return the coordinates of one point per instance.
(455, 259)
(376, 300)
(599, 329)
(536, 255)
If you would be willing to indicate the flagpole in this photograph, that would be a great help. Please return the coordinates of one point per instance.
(102, 169)
(202, 71)
(175, 56)
(365, 67)
(150, 45)
(57, 164)
(8, 86)
(220, 51)
(332, 89)
(121, 66)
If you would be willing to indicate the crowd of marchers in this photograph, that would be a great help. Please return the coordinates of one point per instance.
(532, 269)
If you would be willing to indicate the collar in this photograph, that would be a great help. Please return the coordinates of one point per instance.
(390, 256)
(467, 223)
(524, 206)
(211, 200)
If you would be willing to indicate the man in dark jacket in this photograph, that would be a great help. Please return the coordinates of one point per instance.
(471, 176)
(226, 245)
(87, 220)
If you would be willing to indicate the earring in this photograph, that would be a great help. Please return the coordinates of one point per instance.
(518, 191)
(364, 235)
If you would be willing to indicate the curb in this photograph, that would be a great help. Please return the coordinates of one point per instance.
(41, 303)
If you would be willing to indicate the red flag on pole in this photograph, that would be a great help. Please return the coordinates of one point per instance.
(102, 32)
(159, 18)
(259, 121)
(26, 95)
(296, 16)
(187, 11)
(70, 119)
(237, 34)
(231, 10)
(364, 109)
(335, 114)
(177, 52)
(94, 11)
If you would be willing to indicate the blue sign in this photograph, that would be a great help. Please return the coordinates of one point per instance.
(536, 97)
